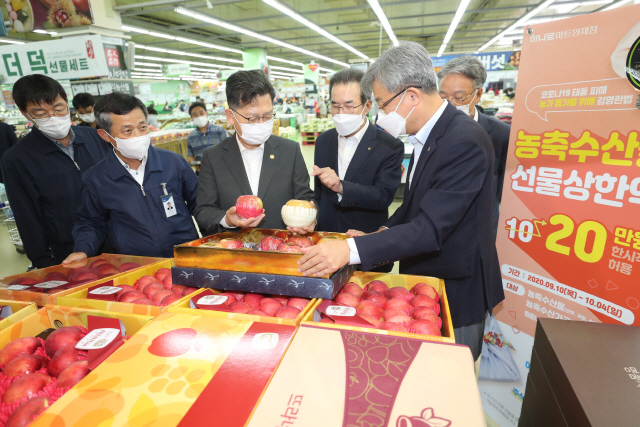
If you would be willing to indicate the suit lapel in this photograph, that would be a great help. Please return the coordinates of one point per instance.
(233, 159)
(365, 147)
(270, 162)
(332, 152)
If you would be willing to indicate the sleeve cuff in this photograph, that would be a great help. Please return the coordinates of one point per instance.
(223, 222)
(354, 256)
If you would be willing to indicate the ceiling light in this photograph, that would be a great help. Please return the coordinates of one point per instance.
(454, 24)
(293, 70)
(164, 36)
(179, 61)
(616, 4)
(280, 73)
(148, 64)
(232, 27)
(282, 8)
(180, 39)
(134, 30)
(273, 58)
(5, 40)
(377, 9)
(197, 55)
(520, 22)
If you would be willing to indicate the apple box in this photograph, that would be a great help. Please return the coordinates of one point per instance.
(45, 285)
(98, 296)
(348, 320)
(180, 370)
(13, 311)
(337, 377)
(189, 305)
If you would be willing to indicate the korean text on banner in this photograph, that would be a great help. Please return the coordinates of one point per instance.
(569, 236)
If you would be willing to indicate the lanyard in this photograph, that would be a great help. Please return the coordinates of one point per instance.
(208, 136)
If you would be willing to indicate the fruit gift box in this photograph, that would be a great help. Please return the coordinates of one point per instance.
(45, 354)
(45, 285)
(391, 304)
(143, 291)
(178, 370)
(14, 311)
(244, 306)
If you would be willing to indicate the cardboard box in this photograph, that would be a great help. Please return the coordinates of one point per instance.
(18, 310)
(545, 410)
(179, 370)
(262, 283)
(44, 297)
(313, 316)
(80, 298)
(185, 306)
(593, 370)
(334, 377)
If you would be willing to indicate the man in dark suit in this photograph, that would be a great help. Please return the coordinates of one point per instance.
(461, 82)
(443, 227)
(43, 172)
(250, 162)
(357, 167)
(8, 139)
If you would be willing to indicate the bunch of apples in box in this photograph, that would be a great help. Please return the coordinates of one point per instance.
(393, 309)
(262, 305)
(36, 372)
(156, 290)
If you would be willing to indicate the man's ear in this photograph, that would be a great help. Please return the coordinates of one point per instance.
(104, 136)
(367, 107)
(478, 96)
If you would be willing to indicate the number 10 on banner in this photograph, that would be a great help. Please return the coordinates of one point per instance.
(587, 240)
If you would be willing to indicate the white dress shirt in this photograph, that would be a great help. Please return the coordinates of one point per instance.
(346, 149)
(252, 160)
(138, 174)
(418, 140)
(475, 116)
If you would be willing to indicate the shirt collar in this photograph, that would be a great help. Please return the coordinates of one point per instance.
(358, 135)
(423, 133)
(72, 139)
(208, 129)
(475, 116)
(243, 148)
(126, 166)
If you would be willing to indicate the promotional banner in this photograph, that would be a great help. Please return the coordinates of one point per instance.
(73, 58)
(114, 52)
(569, 240)
(29, 15)
(255, 59)
(175, 70)
(493, 61)
(311, 77)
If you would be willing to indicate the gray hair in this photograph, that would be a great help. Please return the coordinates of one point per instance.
(402, 66)
(468, 65)
(346, 76)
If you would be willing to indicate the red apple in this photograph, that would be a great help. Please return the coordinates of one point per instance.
(84, 277)
(24, 281)
(424, 327)
(353, 288)
(239, 307)
(371, 319)
(303, 242)
(129, 266)
(299, 303)
(376, 285)
(19, 347)
(188, 290)
(231, 243)
(170, 299)
(22, 365)
(425, 301)
(143, 301)
(289, 248)
(345, 298)
(370, 308)
(269, 306)
(141, 282)
(73, 374)
(270, 243)
(327, 319)
(249, 207)
(160, 295)
(178, 289)
(125, 288)
(237, 294)
(375, 296)
(98, 262)
(287, 312)
(425, 289)
(162, 273)
(257, 313)
(74, 272)
(168, 282)
(398, 304)
(61, 337)
(391, 326)
(151, 289)
(56, 276)
(253, 300)
(62, 359)
(25, 386)
(230, 298)
(425, 313)
(396, 316)
(28, 411)
(283, 300)
(132, 295)
(104, 269)
(400, 293)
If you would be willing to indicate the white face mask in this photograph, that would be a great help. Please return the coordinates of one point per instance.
(255, 134)
(54, 127)
(133, 148)
(87, 118)
(201, 121)
(467, 107)
(393, 122)
(346, 124)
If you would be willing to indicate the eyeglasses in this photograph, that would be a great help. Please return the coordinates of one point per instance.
(397, 95)
(349, 109)
(458, 101)
(57, 113)
(254, 120)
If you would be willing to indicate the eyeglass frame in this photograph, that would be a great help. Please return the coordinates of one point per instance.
(382, 107)
(48, 116)
(460, 100)
(273, 116)
(343, 108)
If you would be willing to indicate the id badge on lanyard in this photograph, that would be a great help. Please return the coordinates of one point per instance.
(167, 202)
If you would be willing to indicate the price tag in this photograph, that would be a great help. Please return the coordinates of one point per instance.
(265, 341)
(98, 338)
(51, 284)
(339, 310)
(17, 287)
(106, 290)
(212, 300)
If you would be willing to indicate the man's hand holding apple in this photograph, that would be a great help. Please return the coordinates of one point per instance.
(234, 220)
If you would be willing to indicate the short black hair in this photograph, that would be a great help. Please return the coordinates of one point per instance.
(83, 100)
(37, 88)
(118, 103)
(346, 76)
(197, 104)
(151, 110)
(244, 86)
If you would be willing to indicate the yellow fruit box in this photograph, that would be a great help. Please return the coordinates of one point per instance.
(313, 316)
(80, 298)
(185, 306)
(339, 377)
(18, 310)
(48, 292)
(178, 370)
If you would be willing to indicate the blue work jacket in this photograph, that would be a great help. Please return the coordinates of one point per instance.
(134, 215)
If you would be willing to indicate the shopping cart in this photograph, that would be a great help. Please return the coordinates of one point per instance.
(12, 228)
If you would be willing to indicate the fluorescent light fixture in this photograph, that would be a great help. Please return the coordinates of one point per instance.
(148, 64)
(520, 22)
(163, 36)
(280, 73)
(284, 9)
(274, 58)
(232, 27)
(134, 30)
(454, 24)
(180, 39)
(565, 8)
(293, 70)
(617, 4)
(377, 9)
(196, 55)
(180, 61)
(328, 70)
(5, 40)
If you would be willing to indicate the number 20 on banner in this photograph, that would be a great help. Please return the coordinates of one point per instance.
(587, 240)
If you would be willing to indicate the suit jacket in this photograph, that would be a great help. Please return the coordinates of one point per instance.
(443, 227)
(371, 180)
(284, 176)
(8, 139)
(499, 134)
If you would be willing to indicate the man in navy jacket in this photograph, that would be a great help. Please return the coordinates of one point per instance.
(143, 196)
(357, 167)
(43, 172)
(443, 227)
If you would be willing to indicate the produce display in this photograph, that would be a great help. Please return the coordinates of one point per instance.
(250, 303)
(280, 241)
(316, 125)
